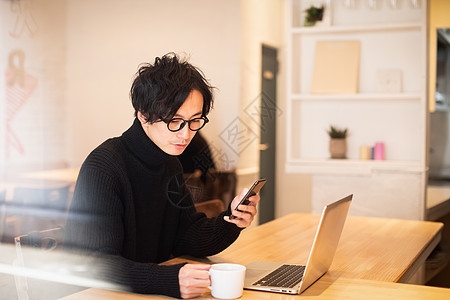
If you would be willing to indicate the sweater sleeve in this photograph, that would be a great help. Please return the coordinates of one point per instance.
(143, 278)
(206, 236)
(200, 236)
(95, 227)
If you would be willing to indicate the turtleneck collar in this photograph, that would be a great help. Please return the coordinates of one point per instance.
(142, 146)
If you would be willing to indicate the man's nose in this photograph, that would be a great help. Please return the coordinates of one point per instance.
(184, 132)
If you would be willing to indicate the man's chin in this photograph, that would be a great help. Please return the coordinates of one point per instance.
(175, 151)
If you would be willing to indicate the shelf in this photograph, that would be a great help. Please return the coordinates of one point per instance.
(389, 40)
(352, 166)
(356, 97)
(357, 28)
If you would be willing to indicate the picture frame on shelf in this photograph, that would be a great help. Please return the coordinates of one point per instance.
(336, 67)
(316, 13)
(389, 81)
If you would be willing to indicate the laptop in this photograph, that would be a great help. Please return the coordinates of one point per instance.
(295, 278)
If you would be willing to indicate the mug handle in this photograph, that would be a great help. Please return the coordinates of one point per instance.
(209, 287)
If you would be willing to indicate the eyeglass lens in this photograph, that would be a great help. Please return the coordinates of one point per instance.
(178, 124)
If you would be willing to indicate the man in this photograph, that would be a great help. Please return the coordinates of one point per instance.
(130, 203)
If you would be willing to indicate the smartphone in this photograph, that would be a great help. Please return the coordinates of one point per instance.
(257, 185)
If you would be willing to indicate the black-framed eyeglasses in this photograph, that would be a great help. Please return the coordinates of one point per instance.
(177, 124)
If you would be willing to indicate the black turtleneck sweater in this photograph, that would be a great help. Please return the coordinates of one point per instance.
(131, 205)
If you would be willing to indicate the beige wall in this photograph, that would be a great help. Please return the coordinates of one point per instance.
(263, 22)
(108, 39)
(293, 191)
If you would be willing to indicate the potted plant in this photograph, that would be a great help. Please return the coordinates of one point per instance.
(338, 142)
(313, 14)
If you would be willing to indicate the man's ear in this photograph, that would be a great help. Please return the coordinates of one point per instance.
(141, 118)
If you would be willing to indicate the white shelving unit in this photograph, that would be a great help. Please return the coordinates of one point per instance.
(357, 28)
(391, 39)
(357, 97)
(352, 166)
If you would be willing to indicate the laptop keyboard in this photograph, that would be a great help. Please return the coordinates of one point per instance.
(284, 276)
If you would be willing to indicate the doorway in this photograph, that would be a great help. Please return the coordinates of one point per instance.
(267, 148)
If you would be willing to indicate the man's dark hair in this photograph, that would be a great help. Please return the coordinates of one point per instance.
(159, 90)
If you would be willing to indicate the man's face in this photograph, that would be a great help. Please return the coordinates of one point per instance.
(174, 143)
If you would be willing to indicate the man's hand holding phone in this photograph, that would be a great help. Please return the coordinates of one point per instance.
(244, 205)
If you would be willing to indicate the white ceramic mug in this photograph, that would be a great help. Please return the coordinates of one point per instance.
(227, 280)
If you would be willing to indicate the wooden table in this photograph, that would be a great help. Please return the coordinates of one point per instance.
(370, 248)
(373, 253)
(54, 177)
(438, 200)
(328, 287)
